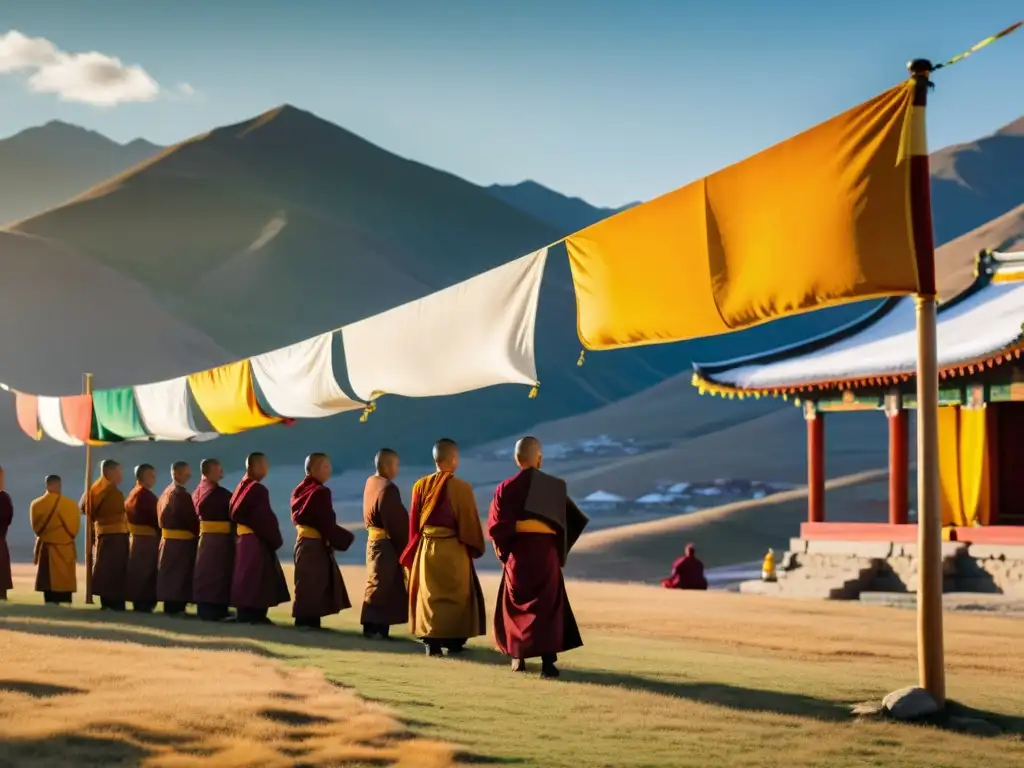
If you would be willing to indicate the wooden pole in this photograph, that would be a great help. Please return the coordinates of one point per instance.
(815, 464)
(90, 535)
(930, 652)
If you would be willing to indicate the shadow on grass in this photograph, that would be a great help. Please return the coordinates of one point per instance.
(70, 749)
(36, 690)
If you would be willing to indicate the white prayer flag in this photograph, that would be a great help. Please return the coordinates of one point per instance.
(52, 421)
(475, 334)
(165, 413)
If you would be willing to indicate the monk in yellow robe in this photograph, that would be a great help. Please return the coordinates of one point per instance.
(55, 520)
(446, 604)
(110, 522)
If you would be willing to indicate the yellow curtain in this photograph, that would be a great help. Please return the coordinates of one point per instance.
(965, 467)
(227, 398)
(822, 218)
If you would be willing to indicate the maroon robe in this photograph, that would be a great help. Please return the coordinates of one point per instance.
(386, 599)
(215, 556)
(532, 616)
(176, 512)
(144, 551)
(6, 518)
(319, 587)
(687, 573)
(258, 580)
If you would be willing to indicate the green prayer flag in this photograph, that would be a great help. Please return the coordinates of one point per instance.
(117, 415)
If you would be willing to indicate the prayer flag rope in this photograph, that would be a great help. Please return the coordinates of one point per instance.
(978, 46)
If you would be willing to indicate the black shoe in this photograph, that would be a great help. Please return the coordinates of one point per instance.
(549, 670)
(518, 665)
(433, 650)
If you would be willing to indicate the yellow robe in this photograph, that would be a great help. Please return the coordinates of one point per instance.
(55, 520)
(445, 598)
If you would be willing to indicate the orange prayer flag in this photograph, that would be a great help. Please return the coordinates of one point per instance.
(76, 411)
(823, 218)
(227, 398)
(27, 409)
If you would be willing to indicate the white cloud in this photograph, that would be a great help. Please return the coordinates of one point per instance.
(186, 90)
(89, 78)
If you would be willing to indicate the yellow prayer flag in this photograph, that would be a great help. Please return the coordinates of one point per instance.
(823, 218)
(227, 398)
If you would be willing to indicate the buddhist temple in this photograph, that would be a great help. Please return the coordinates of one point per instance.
(869, 365)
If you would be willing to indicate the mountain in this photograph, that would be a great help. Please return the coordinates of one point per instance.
(956, 259)
(44, 166)
(567, 214)
(976, 182)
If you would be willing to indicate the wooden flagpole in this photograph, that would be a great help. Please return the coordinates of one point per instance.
(90, 536)
(930, 650)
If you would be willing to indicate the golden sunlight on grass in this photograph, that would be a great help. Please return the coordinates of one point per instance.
(68, 701)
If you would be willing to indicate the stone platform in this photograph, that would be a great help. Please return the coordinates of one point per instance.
(842, 570)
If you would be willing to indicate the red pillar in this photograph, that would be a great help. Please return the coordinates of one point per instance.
(899, 432)
(815, 464)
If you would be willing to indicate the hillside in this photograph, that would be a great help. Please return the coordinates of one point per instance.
(956, 259)
(268, 231)
(44, 166)
(568, 214)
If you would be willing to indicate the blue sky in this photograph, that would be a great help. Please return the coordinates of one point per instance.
(611, 101)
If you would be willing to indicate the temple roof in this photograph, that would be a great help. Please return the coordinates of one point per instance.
(979, 328)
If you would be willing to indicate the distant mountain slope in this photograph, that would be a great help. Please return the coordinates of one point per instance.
(956, 259)
(42, 167)
(977, 182)
(568, 214)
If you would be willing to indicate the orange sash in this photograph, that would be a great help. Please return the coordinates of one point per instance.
(429, 489)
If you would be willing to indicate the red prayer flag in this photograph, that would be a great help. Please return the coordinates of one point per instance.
(27, 408)
(76, 411)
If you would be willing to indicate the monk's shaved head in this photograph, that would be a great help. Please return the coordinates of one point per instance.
(181, 472)
(446, 454)
(314, 460)
(318, 467)
(386, 463)
(208, 466)
(112, 471)
(256, 466)
(529, 453)
(53, 483)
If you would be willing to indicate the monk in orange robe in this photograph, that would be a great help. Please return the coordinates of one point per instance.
(386, 598)
(179, 532)
(144, 551)
(55, 520)
(533, 524)
(110, 523)
(215, 555)
(6, 518)
(319, 587)
(446, 604)
(258, 582)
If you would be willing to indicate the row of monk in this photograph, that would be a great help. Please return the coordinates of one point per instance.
(218, 550)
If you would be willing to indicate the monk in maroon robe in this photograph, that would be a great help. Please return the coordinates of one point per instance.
(258, 581)
(179, 532)
(144, 551)
(386, 598)
(532, 524)
(319, 587)
(215, 556)
(687, 572)
(105, 502)
(6, 518)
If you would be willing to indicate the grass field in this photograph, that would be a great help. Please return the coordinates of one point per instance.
(665, 679)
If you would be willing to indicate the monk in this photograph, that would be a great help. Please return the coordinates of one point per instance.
(533, 524)
(258, 581)
(55, 520)
(110, 524)
(319, 587)
(215, 556)
(386, 599)
(144, 550)
(179, 529)
(687, 572)
(6, 518)
(446, 604)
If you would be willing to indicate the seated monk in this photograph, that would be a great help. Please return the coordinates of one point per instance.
(144, 551)
(215, 554)
(386, 599)
(258, 581)
(533, 524)
(319, 588)
(6, 518)
(179, 529)
(55, 520)
(446, 604)
(105, 503)
(687, 572)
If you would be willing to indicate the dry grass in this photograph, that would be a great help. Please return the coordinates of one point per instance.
(665, 679)
(72, 702)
